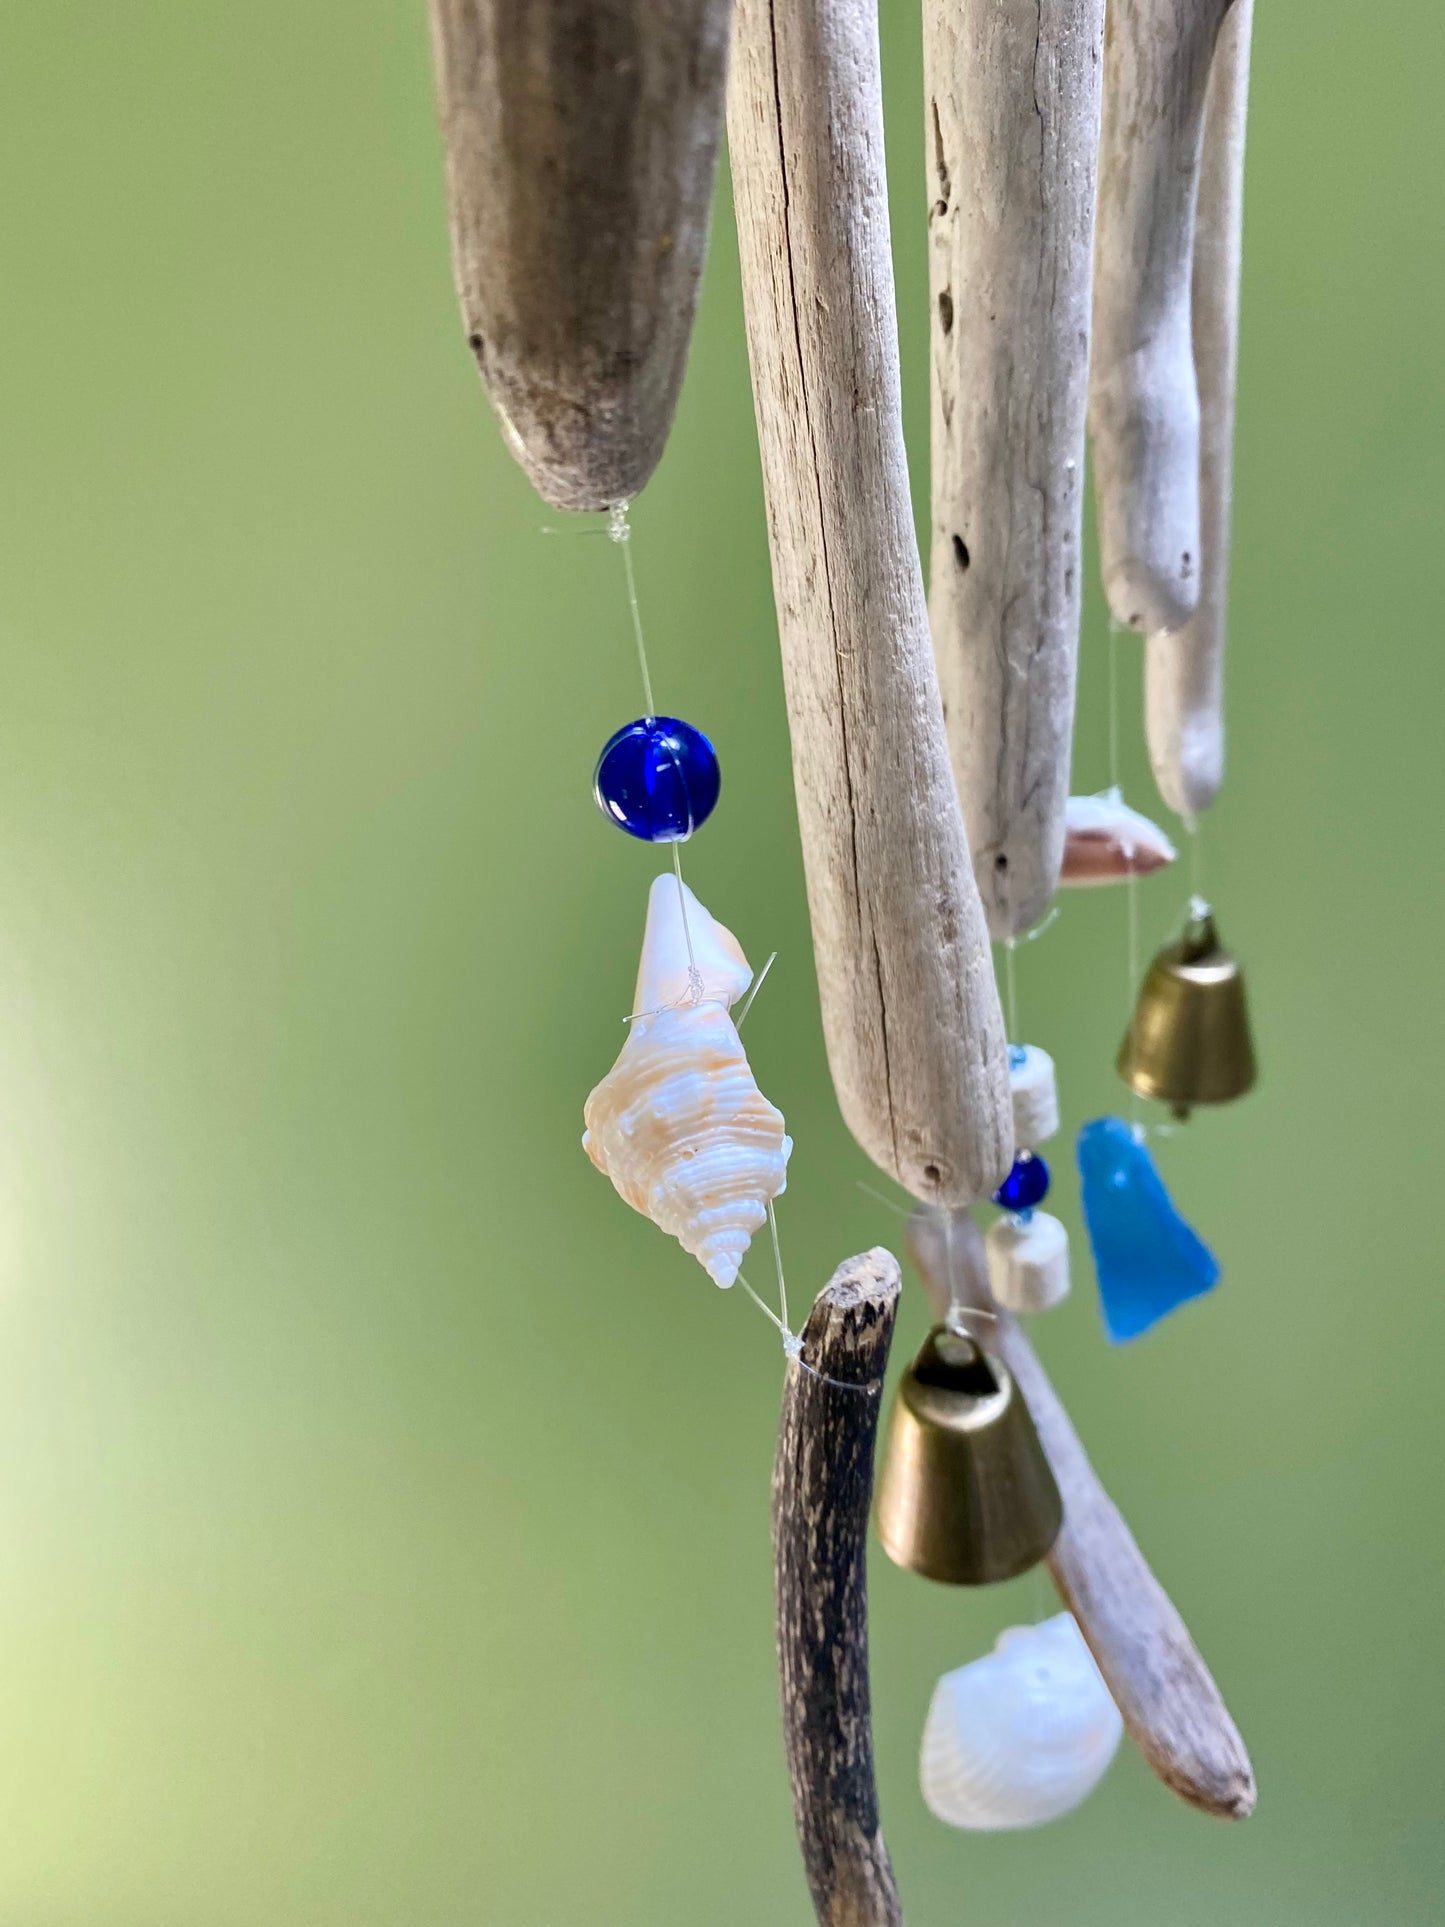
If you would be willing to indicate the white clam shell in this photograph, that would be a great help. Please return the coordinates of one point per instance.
(1022, 1735)
(678, 1123)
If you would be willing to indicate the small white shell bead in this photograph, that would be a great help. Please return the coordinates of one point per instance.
(678, 1123)
(1028, 1261)
(1035, 1095)
(1021, 1736)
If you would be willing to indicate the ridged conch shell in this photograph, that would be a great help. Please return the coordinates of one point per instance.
(678, 1123)
(1105, 841)
(1022, 1735)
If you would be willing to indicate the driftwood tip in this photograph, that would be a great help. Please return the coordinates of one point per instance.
(1227, 1794)
(872, 1278)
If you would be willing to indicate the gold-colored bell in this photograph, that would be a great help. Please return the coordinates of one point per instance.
(1188, 1041)
(966, 1494)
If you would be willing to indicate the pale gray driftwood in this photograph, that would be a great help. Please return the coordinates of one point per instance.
(910, 1008)
(822, 1490)
(581, 141)
(1012, 132)
(1170, 1704)
(1143, 402)
(1184, 671)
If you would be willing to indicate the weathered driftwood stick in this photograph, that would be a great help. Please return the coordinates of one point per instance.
(1143, 403)
(1013, 141)
(822, 1489)
(581, 138)
(1170, 1704)
(1184, 672)
(910, 1008)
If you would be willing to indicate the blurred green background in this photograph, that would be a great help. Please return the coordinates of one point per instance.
(383, 1506)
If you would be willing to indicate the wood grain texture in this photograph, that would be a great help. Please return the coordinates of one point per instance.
(1174, 1712)
(1184, 671)
(822, 1492)
(910, 1008)
(1143, 401)
(581, 141)
(1012, 132)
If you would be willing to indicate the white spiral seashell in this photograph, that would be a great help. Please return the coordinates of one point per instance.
(1021, 1736)
(678, 1123)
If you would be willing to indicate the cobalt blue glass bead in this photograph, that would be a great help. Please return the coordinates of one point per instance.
(658, 779)
(1025, 1186)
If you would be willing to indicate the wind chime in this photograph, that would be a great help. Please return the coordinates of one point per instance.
(581, 137)
(1005, 625)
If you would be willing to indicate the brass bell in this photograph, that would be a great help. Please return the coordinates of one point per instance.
(1188, 1041)
(966, 1494)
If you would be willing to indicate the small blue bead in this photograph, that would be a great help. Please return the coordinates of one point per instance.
(1025, 1186)
(658, 779)
(1017, 1057)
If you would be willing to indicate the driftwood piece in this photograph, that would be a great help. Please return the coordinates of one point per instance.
(1143, 401)
(1013, 139)
(581, 141)
(1184, 671)
(1171, 1706)
(822, 1490)
(910, 1008)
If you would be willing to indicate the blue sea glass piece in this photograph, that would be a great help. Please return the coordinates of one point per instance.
(1026, 1185)
(658, 779)
(1148, 1260)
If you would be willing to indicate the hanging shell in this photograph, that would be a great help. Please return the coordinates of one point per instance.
(1021, 1736)
(678, 1123)
(1105, 841)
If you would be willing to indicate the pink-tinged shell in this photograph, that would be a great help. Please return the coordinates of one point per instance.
(1105, 842)
(678, 1123)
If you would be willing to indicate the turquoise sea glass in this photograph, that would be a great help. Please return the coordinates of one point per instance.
(1148, 1260)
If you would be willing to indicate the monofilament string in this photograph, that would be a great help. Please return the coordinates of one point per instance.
(1114, 706)
(793, 1348)
(958, 1313)
(619, 528)
(753, 990)
(954, 1316)
(1131, 881)
(778, 1261)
